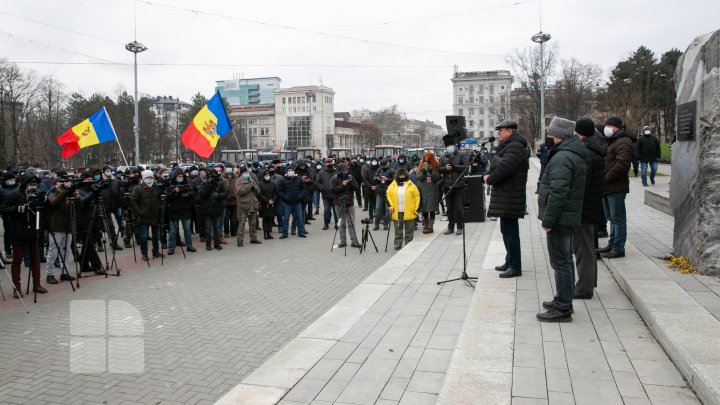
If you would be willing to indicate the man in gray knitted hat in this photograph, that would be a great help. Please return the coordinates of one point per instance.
(560, 202)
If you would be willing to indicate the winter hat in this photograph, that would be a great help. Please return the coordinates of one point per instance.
(561, 128)
(614, 121)
(146, 173)
(646, 128)
(344, 167)
(585, 126)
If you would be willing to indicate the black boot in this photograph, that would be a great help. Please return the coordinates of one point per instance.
(511, 272)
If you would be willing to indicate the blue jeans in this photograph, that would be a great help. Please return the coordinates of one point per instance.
(296, 211)
(316, 200)
(119, 219)
(559, 244)
(510, 230)
(144, 229)
(213, 228)
(381, 210)
(174, 228)
(643, 171)
(329, 210)
(614, 206)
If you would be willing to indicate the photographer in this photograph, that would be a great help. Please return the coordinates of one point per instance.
(9, 184)
(383, 178)
(322, 183)
(247, 191)
(343, 187)
(292, 191)
(212, 192)
(368, 174)
(230, 222)
(198, 206)
(88, 223)
(145, 200)
(356, 173)
(179, 207)
(111, 197)
(60, 225)
(132, 177)
(21, 207)
(452, 165)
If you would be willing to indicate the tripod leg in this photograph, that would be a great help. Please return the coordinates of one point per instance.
(387, 239)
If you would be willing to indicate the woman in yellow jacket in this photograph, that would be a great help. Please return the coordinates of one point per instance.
(404, 200)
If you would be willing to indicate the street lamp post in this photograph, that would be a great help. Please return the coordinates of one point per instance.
(135, 47)
(310, 96)
(541, 38)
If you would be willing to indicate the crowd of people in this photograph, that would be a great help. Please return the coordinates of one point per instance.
(90, 210)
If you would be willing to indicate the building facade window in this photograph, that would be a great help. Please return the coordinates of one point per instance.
(481, 110)
(472, 124)
(492, 99)
(481, 99)
(471, 112)
(460, 100)
(502, 99)
(298, 131)
(491, 90)
(481, 89)
(492, 122)
(283, 100)
(482, 134)
(481, 123)
(460, 111)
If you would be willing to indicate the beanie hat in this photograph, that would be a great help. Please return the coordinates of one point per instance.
(146, 173)
(646, 128)
(585, 126)
(561, 127)
(614, 121)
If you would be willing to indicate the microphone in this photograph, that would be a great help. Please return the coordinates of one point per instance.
(491, 139)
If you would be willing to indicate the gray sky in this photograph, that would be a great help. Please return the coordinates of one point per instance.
(347, 44)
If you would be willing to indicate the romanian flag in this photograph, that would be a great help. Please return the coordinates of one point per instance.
(209, 125)
(94, 130)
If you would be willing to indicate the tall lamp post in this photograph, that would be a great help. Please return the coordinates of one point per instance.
(310, 96)
(541, 38)
(135, 47)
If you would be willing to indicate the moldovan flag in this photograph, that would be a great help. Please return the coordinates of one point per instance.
(209, 125)
(94, 130)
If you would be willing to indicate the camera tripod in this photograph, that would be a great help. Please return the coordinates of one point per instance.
(349, 220)
(367, 235)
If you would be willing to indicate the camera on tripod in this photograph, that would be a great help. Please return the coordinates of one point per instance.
(366, 221)
(35, 198)
(345, 200)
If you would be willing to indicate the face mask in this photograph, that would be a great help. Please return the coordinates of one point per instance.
(374, 163)
(108, 174)
(343, 174)
(266, 177)
(194, 172)
(608, 132)
(246, 176)
(10, 183)
(32, 187)
(319, 167)
(228, 170)
(402, 179)
(291, 173)
(450, 149)
(202, 175)
(96, 177)
(401, 161)
(148, 182)
(646, 132)
(179, 179)
(362, 160)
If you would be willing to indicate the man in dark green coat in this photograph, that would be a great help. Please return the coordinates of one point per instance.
(560, 201)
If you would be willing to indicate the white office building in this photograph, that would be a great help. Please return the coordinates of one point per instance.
(305, 116)
(483, 98)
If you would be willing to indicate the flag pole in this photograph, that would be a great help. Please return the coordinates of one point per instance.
(116, 137)
(121, 151)
(236, 138)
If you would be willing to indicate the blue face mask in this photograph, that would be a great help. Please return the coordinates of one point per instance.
(179, 179)
(194, 172)
(246, 176)
(97, 177)
(11, 183)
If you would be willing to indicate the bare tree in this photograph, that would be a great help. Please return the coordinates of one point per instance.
(574, 91)
(527, 69)
(51, 120)
(368, 134)
(20, 90)
(389, 120)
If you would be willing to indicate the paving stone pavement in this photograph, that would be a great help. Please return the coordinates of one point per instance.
(208, 320)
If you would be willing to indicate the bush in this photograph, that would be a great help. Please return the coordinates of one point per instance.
(665, 152)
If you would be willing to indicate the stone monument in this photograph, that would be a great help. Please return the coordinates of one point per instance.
(695, 181)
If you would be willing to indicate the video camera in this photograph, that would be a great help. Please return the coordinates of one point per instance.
(345, 200)
(366, 221)
(35, 198)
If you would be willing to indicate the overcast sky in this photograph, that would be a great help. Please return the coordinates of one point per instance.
(348, 45)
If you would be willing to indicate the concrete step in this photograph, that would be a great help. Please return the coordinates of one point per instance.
(658, 199)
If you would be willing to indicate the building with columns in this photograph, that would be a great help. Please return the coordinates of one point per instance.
(483, 98)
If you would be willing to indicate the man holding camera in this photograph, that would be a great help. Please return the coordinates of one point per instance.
(212, 192)
(22, 206)
(343, 186)
(59, 198)
(111, 197)
(508, 176)
(180, 204)
(146, 208)
(88, 222)
(132, 177)
(452, 166)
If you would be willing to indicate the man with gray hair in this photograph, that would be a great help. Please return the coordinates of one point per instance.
(560, 202)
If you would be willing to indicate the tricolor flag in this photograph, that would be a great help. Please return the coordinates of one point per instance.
(284, 146)
(209, 125)
(94, 130)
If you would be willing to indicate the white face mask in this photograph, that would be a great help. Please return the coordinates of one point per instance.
(267, 177)
(647, 132)
(148, 182)
(608, 132)
(450, 149)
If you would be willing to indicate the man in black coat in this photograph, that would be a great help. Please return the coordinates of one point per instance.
(356, 173)
(648, 152)
(212, 192)
(180, 198)
(508, 177)
(22, 206)
(452, 166)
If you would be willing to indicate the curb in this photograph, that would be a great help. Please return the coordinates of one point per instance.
(686, 330)
(270, 382)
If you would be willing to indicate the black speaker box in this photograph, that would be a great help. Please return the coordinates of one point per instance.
(474, 208)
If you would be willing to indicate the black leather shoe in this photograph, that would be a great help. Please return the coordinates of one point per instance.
(40, 290)
(51, 279)
(302, 235)
(66, 277)
(612, 254)
(116, 246)
(17, 294)
(555, 315)
(325, 227)
(100, 271)
(502, 268)
(510, 273)
(355, 245)
(551, 304)
(191, 249)
(604, 250)
(283, 237)
(583, 296)
(342, 244)
(255, 242)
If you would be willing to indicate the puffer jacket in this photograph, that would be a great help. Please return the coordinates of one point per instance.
(562, 188)
(508, 178)
(648, 148)
(322, 182)
(595, 179)
(617, 163)
(145, 202)
(380, 184)
(246, 195)
(411, 203)
(291, 190)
